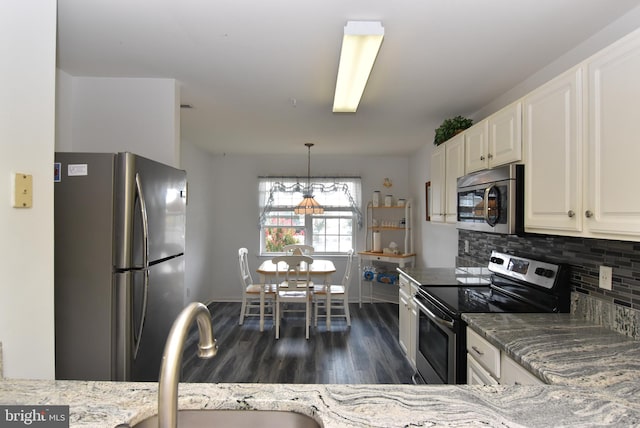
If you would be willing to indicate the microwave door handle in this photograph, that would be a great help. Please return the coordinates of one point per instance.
(486, 205)
(145, 261)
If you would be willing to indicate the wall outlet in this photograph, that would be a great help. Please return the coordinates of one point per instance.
(605, 277)
(466, 246)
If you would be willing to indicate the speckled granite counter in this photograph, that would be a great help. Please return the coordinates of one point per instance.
(563, 349)
(107, 404)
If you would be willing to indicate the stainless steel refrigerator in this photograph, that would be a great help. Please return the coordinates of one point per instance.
(119, 264)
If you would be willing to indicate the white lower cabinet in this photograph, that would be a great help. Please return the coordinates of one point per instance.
(477, 375)
(407, 320)
(513, 373)
(488, 365)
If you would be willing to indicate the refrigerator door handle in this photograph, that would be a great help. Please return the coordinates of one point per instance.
(145, 263)
(145, 223)
(143, 315)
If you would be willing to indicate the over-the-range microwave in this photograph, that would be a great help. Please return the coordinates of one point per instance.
(492, 200)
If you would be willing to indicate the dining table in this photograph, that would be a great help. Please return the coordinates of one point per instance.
(319, 268)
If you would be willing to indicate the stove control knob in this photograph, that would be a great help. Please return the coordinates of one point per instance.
(547, 273)
(497, 260)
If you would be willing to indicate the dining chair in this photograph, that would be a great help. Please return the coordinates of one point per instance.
(298, 249)
(251, 291)
(334, 297)
(293, 285)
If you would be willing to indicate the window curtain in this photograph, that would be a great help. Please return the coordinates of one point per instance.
(333, 193)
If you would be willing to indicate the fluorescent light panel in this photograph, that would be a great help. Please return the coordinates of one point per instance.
(360, 46)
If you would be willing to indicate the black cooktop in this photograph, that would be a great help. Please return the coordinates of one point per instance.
(457, 300)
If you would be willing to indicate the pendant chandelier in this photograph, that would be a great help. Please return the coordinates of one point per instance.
(308, 205)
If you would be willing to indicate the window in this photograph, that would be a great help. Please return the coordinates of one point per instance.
(332, 232)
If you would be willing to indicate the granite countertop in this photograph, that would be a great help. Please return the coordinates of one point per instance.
(107, 404)
(563, 349)
(446, 276)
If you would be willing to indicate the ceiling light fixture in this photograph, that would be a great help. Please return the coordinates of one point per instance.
(308, 205)
(360, 46)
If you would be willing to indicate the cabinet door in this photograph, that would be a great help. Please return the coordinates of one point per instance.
(413, 331)
(505, 135)
(514, 374)
(476, 142)
(403, 322)
(477, 375)
(553, 155)
(454, 168)
(438, 191)
(612, 205)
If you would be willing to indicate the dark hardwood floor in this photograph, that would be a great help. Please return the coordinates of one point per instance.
(365, 353)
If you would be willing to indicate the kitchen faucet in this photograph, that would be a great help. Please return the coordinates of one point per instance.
(172, 359)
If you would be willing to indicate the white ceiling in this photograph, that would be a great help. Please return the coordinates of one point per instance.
(260, 75)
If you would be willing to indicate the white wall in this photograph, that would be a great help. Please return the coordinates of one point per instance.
(235, 208)
(200, 238)
(437, 244)
(619, 28)
(27, 102)
(97, 114)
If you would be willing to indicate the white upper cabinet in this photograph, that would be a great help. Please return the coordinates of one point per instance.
(437, 204)
(496, 140)
(552, 140)
(476, 141)
(454, 169)
(447, 164)
(612, 199)
(582, 148)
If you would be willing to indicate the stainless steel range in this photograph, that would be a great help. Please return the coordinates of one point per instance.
(517, 285)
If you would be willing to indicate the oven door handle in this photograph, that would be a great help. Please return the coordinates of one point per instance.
(432, 317)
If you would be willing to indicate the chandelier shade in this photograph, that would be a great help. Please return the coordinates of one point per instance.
(308, 205)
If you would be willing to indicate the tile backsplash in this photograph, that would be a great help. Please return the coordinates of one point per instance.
(584, 256)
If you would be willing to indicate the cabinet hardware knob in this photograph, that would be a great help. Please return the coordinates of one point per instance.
(588, 214)
(481, 157)
(570, 213)
(490, 156)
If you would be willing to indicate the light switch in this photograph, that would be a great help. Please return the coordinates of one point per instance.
(23, 191)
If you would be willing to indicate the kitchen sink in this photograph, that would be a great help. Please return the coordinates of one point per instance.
(236, 418)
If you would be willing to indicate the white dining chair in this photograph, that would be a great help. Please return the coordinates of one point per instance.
(298, 249)
(251, 292)
(334, 299)
(293, 285)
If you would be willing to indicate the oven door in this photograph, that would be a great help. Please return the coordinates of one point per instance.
(436, 359)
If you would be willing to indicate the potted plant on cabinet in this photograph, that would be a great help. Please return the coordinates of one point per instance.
(451, 127)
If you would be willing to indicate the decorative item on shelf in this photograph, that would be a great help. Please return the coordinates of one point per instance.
(391, 249)
(369, 273)
(388, 201)
(387, 182)
(451, 127)
(387, 277)
(401, 202)
(376, 199)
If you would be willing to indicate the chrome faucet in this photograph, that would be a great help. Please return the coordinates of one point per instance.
(172, 359)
